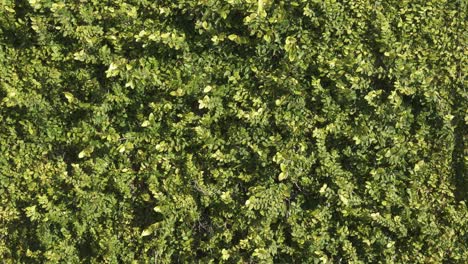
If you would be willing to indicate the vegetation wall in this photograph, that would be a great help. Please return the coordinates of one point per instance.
(233, 131)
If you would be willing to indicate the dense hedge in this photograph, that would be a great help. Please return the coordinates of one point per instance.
(237, 131)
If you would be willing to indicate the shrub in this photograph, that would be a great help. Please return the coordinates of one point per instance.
(233, 131)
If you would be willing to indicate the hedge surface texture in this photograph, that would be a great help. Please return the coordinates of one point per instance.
(233, 131)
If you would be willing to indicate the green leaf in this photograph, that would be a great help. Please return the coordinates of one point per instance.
(69, 97)
(207, 89)
(282, 176)
(225, 254)
(283, 167)
(233, 37)
(86, 152)
(145, 123)
(146, 232)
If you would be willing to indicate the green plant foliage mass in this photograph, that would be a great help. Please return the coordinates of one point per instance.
(233, 131)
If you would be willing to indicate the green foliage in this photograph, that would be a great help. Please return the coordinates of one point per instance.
(233, 131)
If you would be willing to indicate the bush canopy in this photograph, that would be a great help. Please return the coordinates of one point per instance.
(233, 131)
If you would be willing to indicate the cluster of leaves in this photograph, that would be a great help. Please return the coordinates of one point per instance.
(237, 131)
